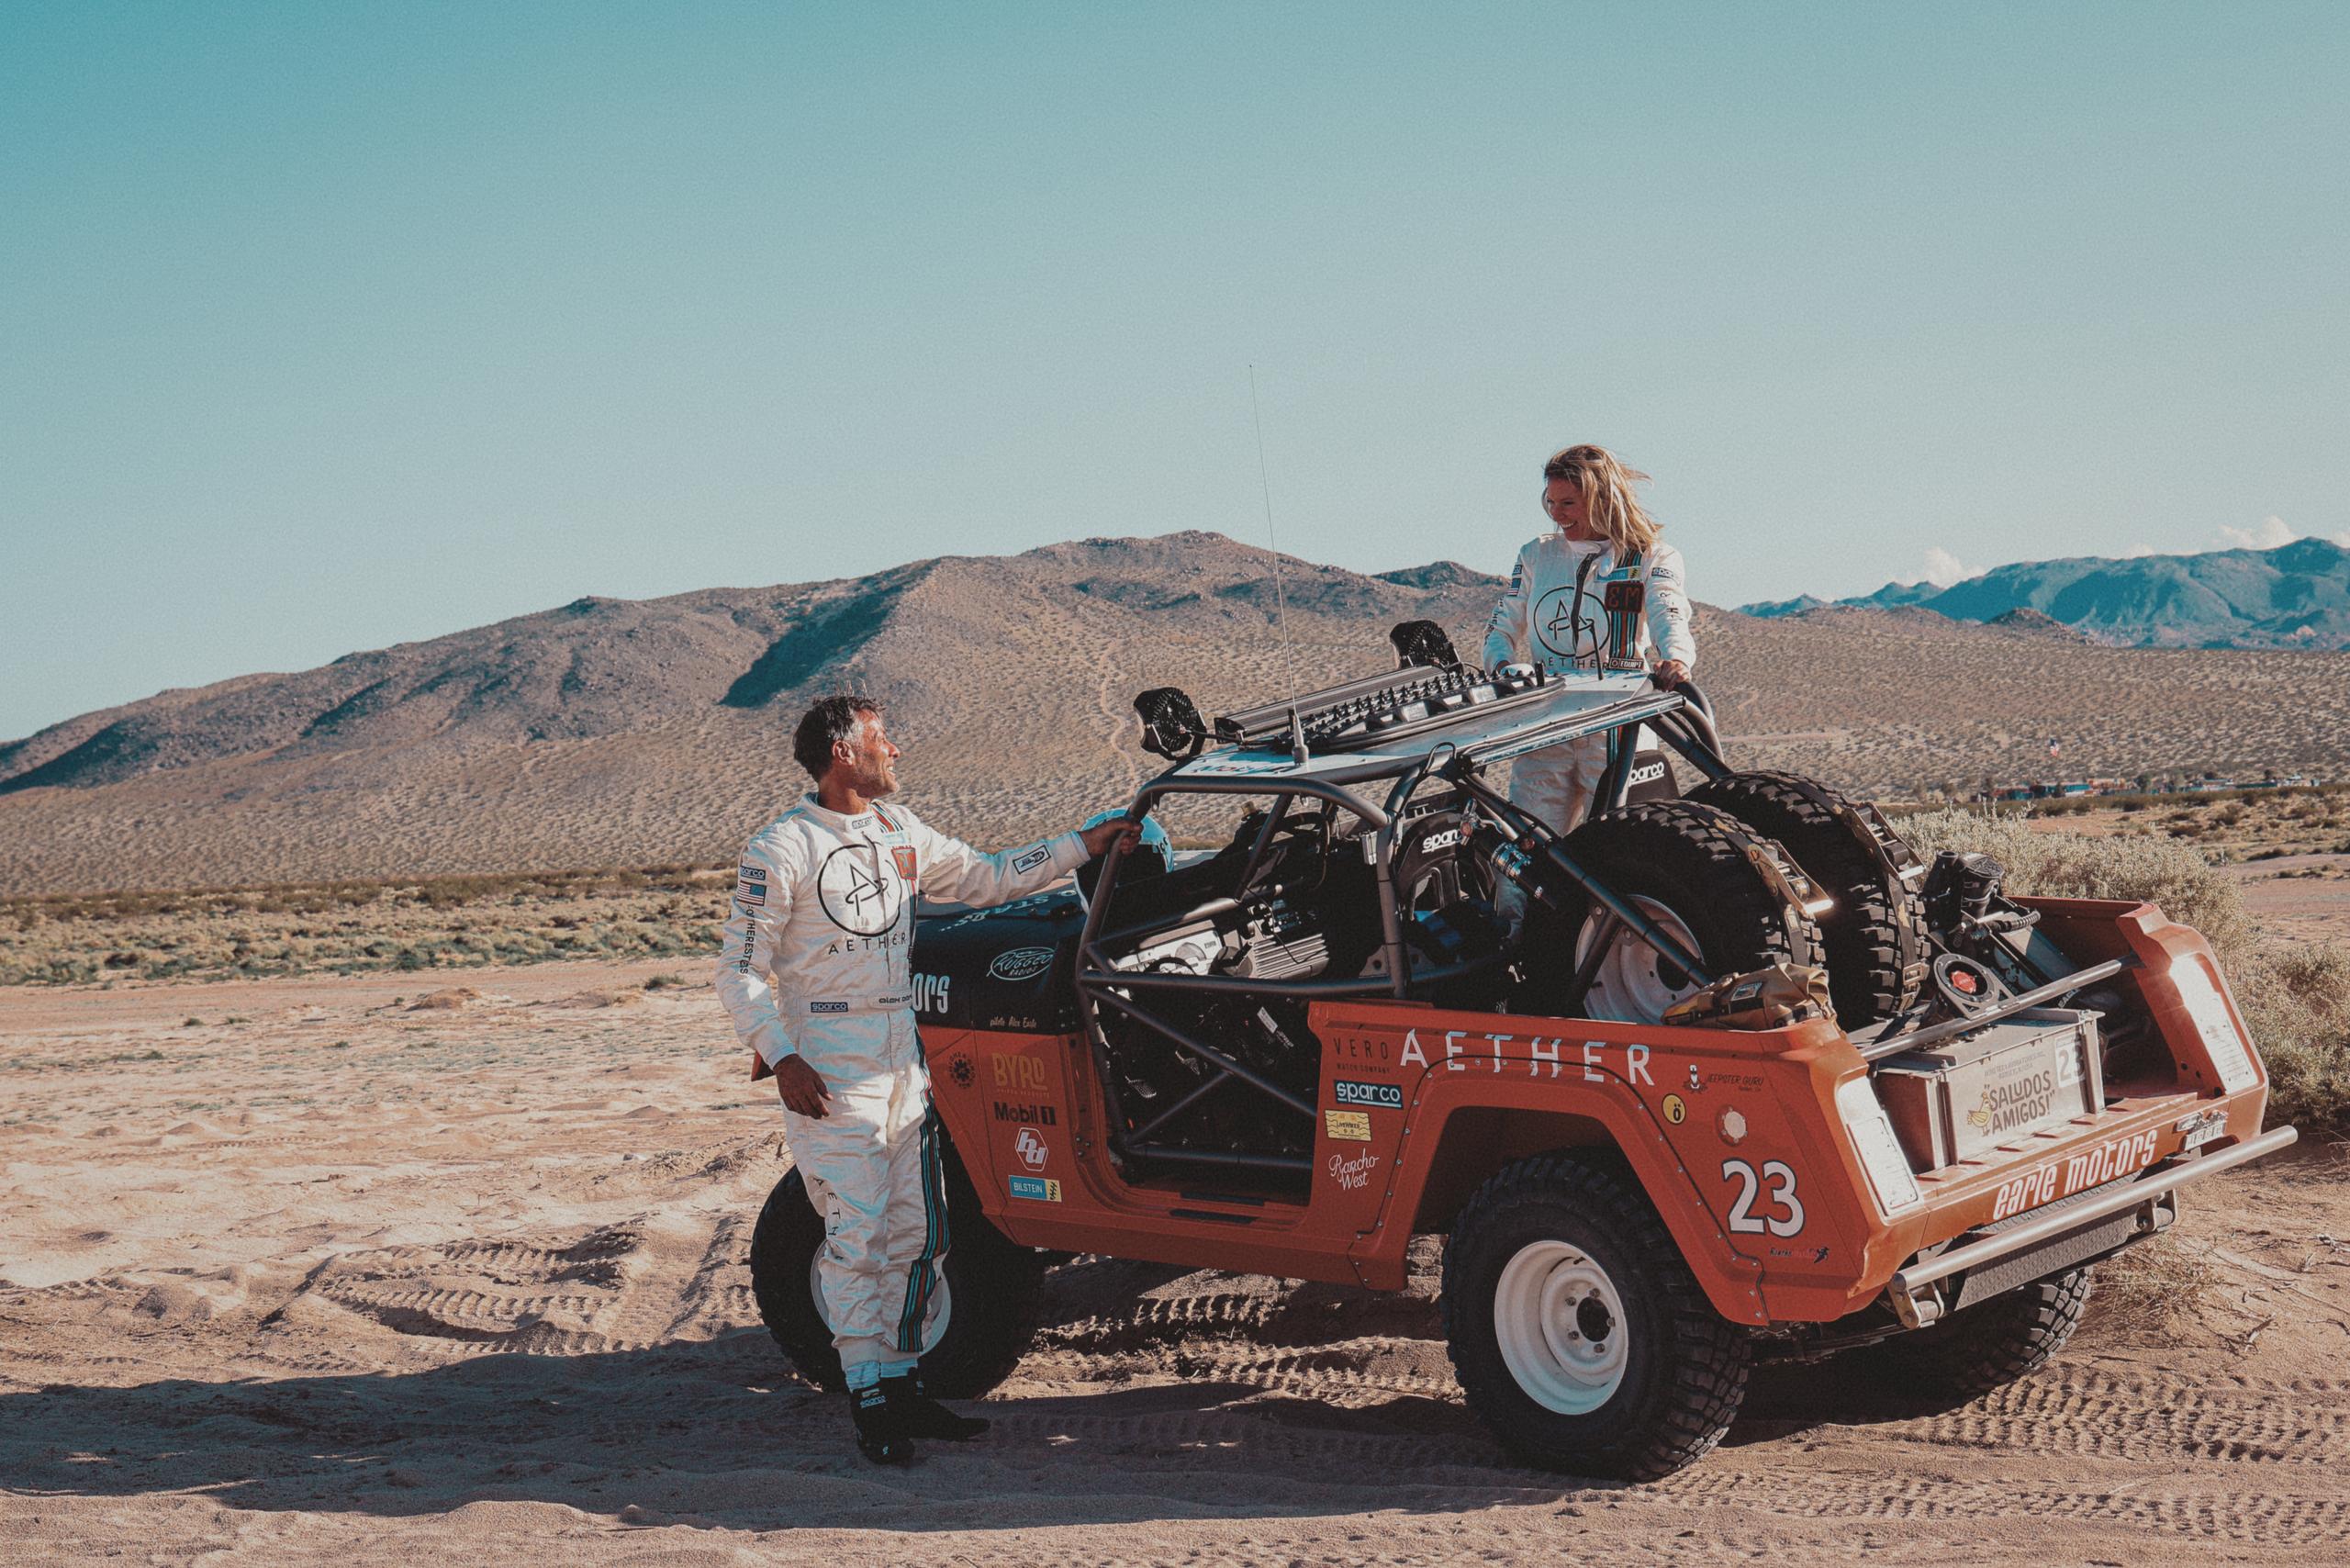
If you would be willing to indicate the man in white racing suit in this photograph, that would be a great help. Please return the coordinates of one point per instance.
(815, 972)
(1554, 614)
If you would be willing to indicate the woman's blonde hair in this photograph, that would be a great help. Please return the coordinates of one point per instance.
(1606, 486)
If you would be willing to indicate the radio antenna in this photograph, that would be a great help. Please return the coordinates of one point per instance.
(1264, 480)
(1281, 602)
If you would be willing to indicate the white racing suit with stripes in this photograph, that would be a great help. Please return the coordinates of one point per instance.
(1554, 613)
(816, 962)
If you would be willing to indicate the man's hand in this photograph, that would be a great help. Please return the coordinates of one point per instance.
(802, 1091)
(1124, 832)
(1670, 673)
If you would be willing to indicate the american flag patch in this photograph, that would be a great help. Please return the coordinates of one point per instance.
(751, 892)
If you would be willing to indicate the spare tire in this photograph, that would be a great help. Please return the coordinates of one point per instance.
(1875, 935)
(1692, 869)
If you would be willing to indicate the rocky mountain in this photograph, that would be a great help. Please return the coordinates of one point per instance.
(2296, 595)
(632, 732)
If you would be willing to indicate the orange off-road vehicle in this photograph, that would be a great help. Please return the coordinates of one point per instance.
(1660, 1143)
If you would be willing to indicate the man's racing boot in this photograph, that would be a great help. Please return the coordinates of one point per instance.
(920, 1416)
(881, 1434)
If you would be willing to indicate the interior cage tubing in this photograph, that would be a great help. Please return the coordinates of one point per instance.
(1283, 1164)
(1390, 915)
(1616, 778)
(1326, 985)
(1274, 817)
(1097, 908)
(1197, 1094)
(1547, 842)
(2036, 997)
(1248, 1075)
(1706, 759)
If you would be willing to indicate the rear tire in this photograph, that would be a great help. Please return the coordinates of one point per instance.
(1991, 1344)
(992, 1292)
(1875, 936)
(1577, 1332)
(1693, 870)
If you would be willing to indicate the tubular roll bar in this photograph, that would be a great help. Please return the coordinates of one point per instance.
(1686, 723)
(2054, 991)
(1546, 844)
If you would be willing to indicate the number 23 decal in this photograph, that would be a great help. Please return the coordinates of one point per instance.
(1742, 1216)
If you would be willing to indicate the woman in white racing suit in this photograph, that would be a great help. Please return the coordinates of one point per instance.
(1554, 614)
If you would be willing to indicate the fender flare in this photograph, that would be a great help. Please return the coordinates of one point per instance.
(1731, 1281)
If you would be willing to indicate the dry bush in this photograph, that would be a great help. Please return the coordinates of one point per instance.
(2294, 996)
(2146, 1290)
(2068, 865)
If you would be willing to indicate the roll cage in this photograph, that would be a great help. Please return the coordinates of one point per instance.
(1325, 748)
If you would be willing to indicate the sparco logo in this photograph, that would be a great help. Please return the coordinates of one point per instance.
(1022, 963)
(1389, 1095)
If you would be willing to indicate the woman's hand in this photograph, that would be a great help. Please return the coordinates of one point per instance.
(1670, 674)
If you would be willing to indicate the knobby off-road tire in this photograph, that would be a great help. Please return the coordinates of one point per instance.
(1546, 1236)
(1875, 936)
(993, 1292)
(1692, 861)
(1992, 1344)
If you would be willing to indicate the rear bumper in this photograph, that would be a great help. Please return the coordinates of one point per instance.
(2047, 1242)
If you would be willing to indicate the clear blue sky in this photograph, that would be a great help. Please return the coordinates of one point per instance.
(325, 327)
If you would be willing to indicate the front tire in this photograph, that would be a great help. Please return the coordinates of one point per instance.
(988, 1307)
(1577, 1333)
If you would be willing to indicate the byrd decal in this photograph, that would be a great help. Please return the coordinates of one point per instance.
(1022, 1074)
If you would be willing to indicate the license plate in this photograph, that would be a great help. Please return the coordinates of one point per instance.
(2204, 1126)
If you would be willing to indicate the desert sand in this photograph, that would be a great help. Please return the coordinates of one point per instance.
(303, 1269)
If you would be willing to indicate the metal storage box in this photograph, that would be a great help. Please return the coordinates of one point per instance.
(2039, 1068)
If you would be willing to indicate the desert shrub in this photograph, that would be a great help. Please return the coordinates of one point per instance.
(2071, 865)
(2296, 997)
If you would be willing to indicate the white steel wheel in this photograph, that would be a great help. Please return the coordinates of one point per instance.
(1634, 983)
(1560, 1326)
(935, 1317)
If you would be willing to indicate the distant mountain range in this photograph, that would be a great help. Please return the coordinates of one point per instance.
(2296, 595)
(614, 732)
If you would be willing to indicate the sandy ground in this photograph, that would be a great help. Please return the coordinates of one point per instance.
(2306, 897)
(322, 1276)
